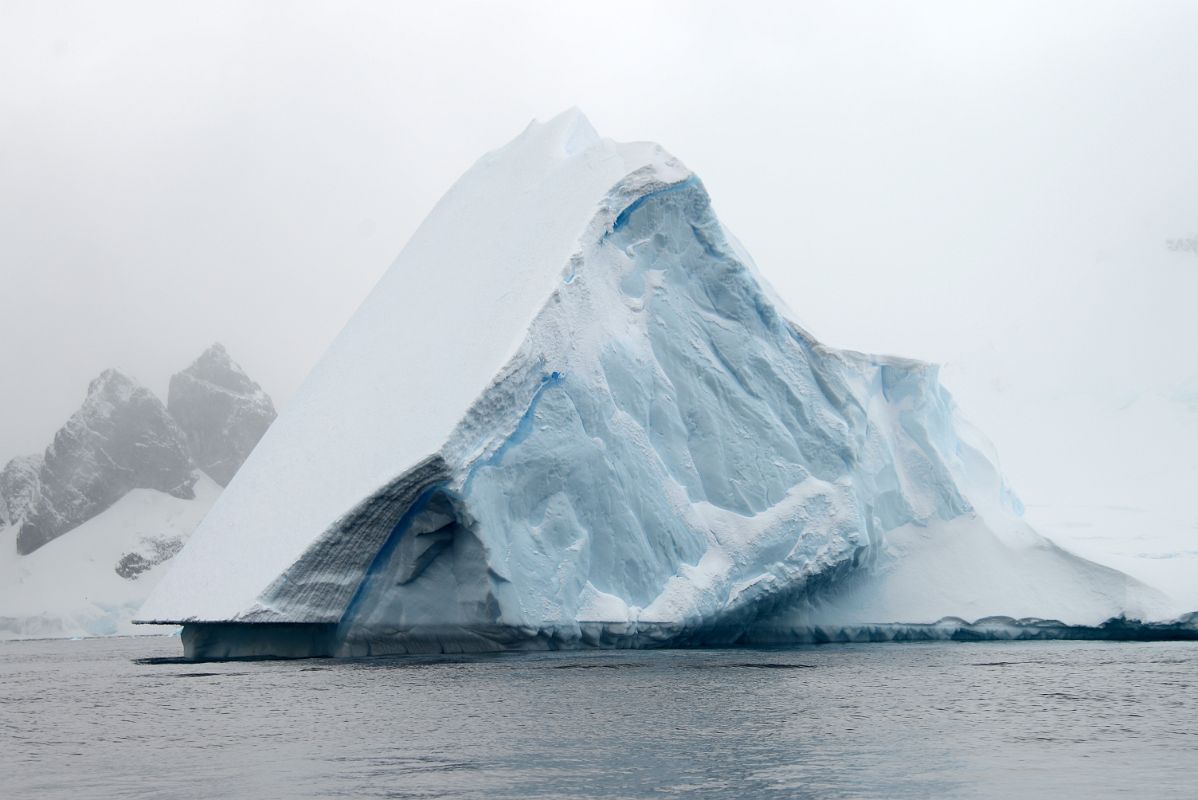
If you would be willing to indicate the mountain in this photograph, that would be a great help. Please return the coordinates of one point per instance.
(87, 528)
(221, 410)
(120, 439)
(574, 413)
(19, 484)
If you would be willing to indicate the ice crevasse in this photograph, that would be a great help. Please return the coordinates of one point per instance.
(573, 413)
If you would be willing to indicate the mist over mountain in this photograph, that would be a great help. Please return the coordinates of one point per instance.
(646, 448)
(222, 412)
(84, 524)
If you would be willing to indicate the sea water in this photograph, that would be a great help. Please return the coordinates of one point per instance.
(106, 718)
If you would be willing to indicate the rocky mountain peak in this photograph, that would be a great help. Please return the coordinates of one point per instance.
(214, 366)
(221, 410)
(19, 488)
(121, 438)
(111, 387)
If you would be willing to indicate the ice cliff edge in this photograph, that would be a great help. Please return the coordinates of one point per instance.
(572, 412)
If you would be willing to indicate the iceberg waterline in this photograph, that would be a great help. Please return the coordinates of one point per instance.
(658, 453)
(221, 641)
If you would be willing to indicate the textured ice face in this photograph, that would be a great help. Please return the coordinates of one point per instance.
(688, 457)
(692, 467)
(430, 340)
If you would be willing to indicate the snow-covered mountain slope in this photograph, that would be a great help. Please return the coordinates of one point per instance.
(121, 438)
(86, 528)
(573, 412)
(91, 580)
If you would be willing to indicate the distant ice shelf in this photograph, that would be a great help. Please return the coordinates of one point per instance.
(573, 413)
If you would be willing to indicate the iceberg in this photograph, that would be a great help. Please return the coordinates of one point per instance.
(574, 413)
(121, 438)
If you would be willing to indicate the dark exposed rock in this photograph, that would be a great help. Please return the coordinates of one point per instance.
(154, 552)
(120, 439)
(19, 488)
(124, 438)
(221, 410)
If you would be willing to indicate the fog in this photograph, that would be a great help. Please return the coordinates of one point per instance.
(992, 187)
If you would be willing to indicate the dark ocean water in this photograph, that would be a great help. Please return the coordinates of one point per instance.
(94, 719)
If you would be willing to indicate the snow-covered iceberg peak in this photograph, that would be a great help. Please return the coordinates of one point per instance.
(573, 413)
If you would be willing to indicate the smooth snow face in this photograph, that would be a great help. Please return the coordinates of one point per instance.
(572, 405)
(960, 568)
(1126, 517)
(1156, 545)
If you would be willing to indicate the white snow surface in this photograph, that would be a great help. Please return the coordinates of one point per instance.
(70, 587)
(573, 399)
(1104, 466)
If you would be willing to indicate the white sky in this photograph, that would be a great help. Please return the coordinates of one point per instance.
(990, 185)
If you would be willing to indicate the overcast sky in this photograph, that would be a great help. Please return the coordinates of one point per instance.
(991, 186)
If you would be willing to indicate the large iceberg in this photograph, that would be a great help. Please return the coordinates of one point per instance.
(573, 413)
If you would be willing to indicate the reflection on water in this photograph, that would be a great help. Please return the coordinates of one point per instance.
(125, 718)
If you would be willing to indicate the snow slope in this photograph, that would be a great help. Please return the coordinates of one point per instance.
(574, 412)
(71, 585)
(1104, 466)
